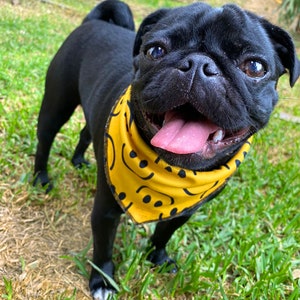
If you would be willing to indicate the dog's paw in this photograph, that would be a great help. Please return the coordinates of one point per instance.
(79, 162)
(159, 257)
(101, 282)
(41, 178)
(103, 294)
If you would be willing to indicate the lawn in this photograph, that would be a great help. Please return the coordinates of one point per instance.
(243, 245)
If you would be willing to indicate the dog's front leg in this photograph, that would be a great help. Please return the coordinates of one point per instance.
(105, 220)
(162, 234)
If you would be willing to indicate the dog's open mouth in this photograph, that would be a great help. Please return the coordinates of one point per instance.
(185, 131)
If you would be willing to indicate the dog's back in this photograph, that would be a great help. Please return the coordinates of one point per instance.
(77, 70)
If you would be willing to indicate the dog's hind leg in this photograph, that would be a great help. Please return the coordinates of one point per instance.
(162, 234)
(55, 112)
(78, 159)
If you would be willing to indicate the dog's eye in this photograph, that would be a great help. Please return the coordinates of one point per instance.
(155, 52)
(253, 69)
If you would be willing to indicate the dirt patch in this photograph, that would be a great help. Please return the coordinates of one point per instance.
(33, 241)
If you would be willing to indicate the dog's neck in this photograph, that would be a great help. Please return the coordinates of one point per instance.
(146, 187)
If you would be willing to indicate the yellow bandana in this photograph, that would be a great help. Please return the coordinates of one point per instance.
(147, 188)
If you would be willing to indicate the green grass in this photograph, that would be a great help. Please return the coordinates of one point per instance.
(243, 245)
(8, 289)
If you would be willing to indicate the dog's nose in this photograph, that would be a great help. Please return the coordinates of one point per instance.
(199, 63)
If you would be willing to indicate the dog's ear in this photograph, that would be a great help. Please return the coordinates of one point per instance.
(285, 49)
(145, 26)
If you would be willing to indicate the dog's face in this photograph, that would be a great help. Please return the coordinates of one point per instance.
(205, 80)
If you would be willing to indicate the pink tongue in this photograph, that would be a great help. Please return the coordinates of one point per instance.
(182, 136)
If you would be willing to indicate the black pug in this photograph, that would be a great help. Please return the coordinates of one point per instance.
(170, 111)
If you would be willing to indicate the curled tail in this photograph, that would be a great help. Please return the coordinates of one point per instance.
(113, 11)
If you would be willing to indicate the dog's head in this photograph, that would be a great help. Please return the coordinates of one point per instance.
(205, 80)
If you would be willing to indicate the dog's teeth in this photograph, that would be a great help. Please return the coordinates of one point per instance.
(218, 136)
